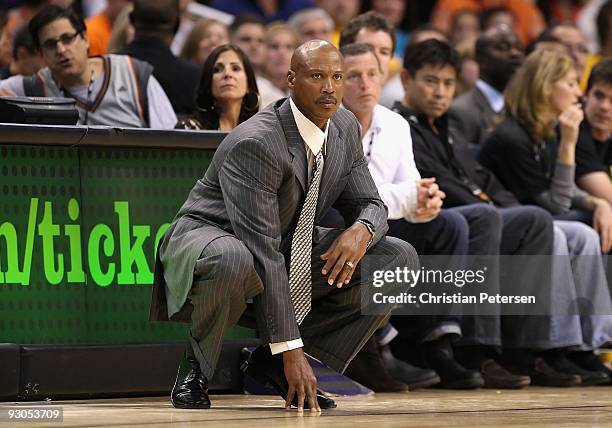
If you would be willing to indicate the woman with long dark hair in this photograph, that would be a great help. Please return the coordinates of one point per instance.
(227, 94)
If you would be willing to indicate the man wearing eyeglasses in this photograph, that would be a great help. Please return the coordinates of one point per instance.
(110, 90)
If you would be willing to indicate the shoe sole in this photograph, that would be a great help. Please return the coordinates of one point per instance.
(556, 384)
(596, 382)
(516, 385)
(190, 406)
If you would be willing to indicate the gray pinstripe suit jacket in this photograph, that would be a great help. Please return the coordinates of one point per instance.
(254, 189)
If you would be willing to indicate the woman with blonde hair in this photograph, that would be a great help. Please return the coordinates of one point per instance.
(532, 152)
(205, 36)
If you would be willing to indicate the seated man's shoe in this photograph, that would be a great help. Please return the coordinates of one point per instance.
(561, 363)
(367, 369)
(438, 355)
(542, 374)
(267, 369)
(414, 377)
(527, 363)
(590, 361)
(483, 358)
(497, 377)
(190, 389)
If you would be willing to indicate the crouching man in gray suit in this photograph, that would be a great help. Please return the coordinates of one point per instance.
(246, 232)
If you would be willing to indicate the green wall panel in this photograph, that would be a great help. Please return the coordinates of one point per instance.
(86, 221)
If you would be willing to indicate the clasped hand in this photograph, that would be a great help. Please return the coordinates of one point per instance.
(429, 198)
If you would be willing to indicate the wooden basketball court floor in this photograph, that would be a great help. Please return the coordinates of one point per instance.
(531, 407)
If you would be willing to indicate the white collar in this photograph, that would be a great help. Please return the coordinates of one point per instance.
(493, 96)
(310, 133)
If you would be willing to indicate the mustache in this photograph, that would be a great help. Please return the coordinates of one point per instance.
(327, 99)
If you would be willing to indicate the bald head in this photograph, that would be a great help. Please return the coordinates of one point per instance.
(304, 53)
(490, 37)
(316, 80)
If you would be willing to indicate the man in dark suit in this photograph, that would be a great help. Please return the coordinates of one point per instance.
(498, 53)
(155, 24)
(246, 232)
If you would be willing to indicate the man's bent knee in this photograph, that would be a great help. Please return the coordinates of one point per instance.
(405, 254)
(232, 259)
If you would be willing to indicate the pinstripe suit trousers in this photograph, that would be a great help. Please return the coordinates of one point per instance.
(334, 330)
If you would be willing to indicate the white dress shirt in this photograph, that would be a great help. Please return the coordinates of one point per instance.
(315, 139)
(387, 146)
(493, 96)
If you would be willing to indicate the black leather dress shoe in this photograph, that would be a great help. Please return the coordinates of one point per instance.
(497, 377)
(590, 361)
(544, 375)
(483, 359)
(414, 377)
(438, 355)
(524, 362)
(367, 368)
(190, 389)
(268, 370)
(562, 363)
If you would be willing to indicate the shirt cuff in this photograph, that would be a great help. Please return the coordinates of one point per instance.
(277, 348)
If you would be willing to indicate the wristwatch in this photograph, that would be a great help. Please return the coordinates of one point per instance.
(370, 228)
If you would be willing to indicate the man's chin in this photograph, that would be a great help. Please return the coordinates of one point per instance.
(65, 72)
(436, 113)
(601, 127)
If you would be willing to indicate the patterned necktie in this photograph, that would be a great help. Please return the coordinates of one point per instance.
(300, 278)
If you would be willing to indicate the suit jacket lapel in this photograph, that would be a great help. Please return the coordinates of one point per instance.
(333, 161)
(482, 103)
(295, 143)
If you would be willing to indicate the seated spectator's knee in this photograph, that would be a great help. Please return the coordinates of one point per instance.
(454, 223)
(489, 218)
(586, 239)
(538, 217)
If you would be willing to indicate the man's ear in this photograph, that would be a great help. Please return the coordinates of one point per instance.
(291, 79)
